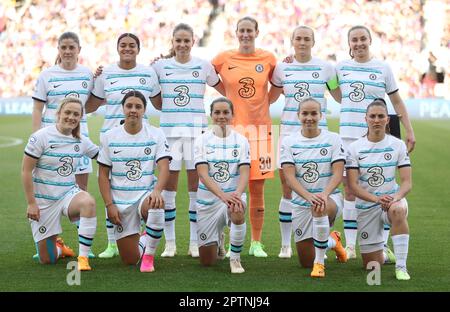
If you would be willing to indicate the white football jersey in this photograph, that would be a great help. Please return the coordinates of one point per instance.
(58, 156)
(224, 156)
(360, 84)
(299, 81)
(115, 82)
(376, 162)
(313, 160)
(56, 83)
(132, 159)
(183, 89)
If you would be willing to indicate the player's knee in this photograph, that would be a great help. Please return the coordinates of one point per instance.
(238, 218)
(88, 205)
(47, 259)
(316, 214)
(305, 262)
(349, 195)
(207, 261)
(397, 213)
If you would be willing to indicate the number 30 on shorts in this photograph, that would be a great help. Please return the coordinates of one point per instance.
(265, 163)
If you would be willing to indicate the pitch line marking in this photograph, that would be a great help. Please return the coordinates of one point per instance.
(10, 141)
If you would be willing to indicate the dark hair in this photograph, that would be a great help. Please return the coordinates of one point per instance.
(219, 100)
(132, 36)
(354, 28)
(67, 35)
(180, 26)
(381, 103)
(247, 18)
(134, 93)
(67, 100)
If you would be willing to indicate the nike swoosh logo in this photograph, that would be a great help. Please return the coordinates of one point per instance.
(53, 146)
(116, 152)
(82, 169)
(346, 74)
(231, 67)
(168, 74)
(113, 82)
(56, 86)
(209, 152)
(361, 158)
(288, 75)
(265, 172)
(295, 154)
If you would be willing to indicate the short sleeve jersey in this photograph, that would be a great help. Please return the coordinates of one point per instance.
(313, 159)
(300, 81)
(115, 82)
(377, 162)
(223, 156)
(183, 90)
(132, 159)
(360, 84)
(246, 78)
(58, 156)
(56, 83)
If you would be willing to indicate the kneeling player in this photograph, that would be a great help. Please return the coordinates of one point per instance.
(48, 175)
(129, 154)
(313, 162)
(371, 167)
(222, 160)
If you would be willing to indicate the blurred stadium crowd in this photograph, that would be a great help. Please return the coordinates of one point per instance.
(29, 30)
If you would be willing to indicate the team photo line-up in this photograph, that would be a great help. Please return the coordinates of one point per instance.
(221, 161)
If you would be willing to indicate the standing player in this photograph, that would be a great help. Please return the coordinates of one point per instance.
(115, 81)
(128, 184)
(362, 79)
(222, 161)
(48, 176)
(306, 76)
(313, 163)
(245, 73)
(183, 80)
(65, 79)
(371, 168)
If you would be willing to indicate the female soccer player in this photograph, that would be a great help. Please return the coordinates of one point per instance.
(306, 76)
(362, 79)
(222, 162)
(245, 73)
(111, 85)
(66, 78)
(371, 168)
(313, 163)
(48, 176)
(127, 181)
(183, 80)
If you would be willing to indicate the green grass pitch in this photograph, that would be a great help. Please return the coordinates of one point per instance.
(429, 250)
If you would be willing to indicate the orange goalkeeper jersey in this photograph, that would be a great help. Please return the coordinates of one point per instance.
(246, 78)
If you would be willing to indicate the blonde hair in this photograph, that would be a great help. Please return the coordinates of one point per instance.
(308, 99)
(67, 100)
(302, 27)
